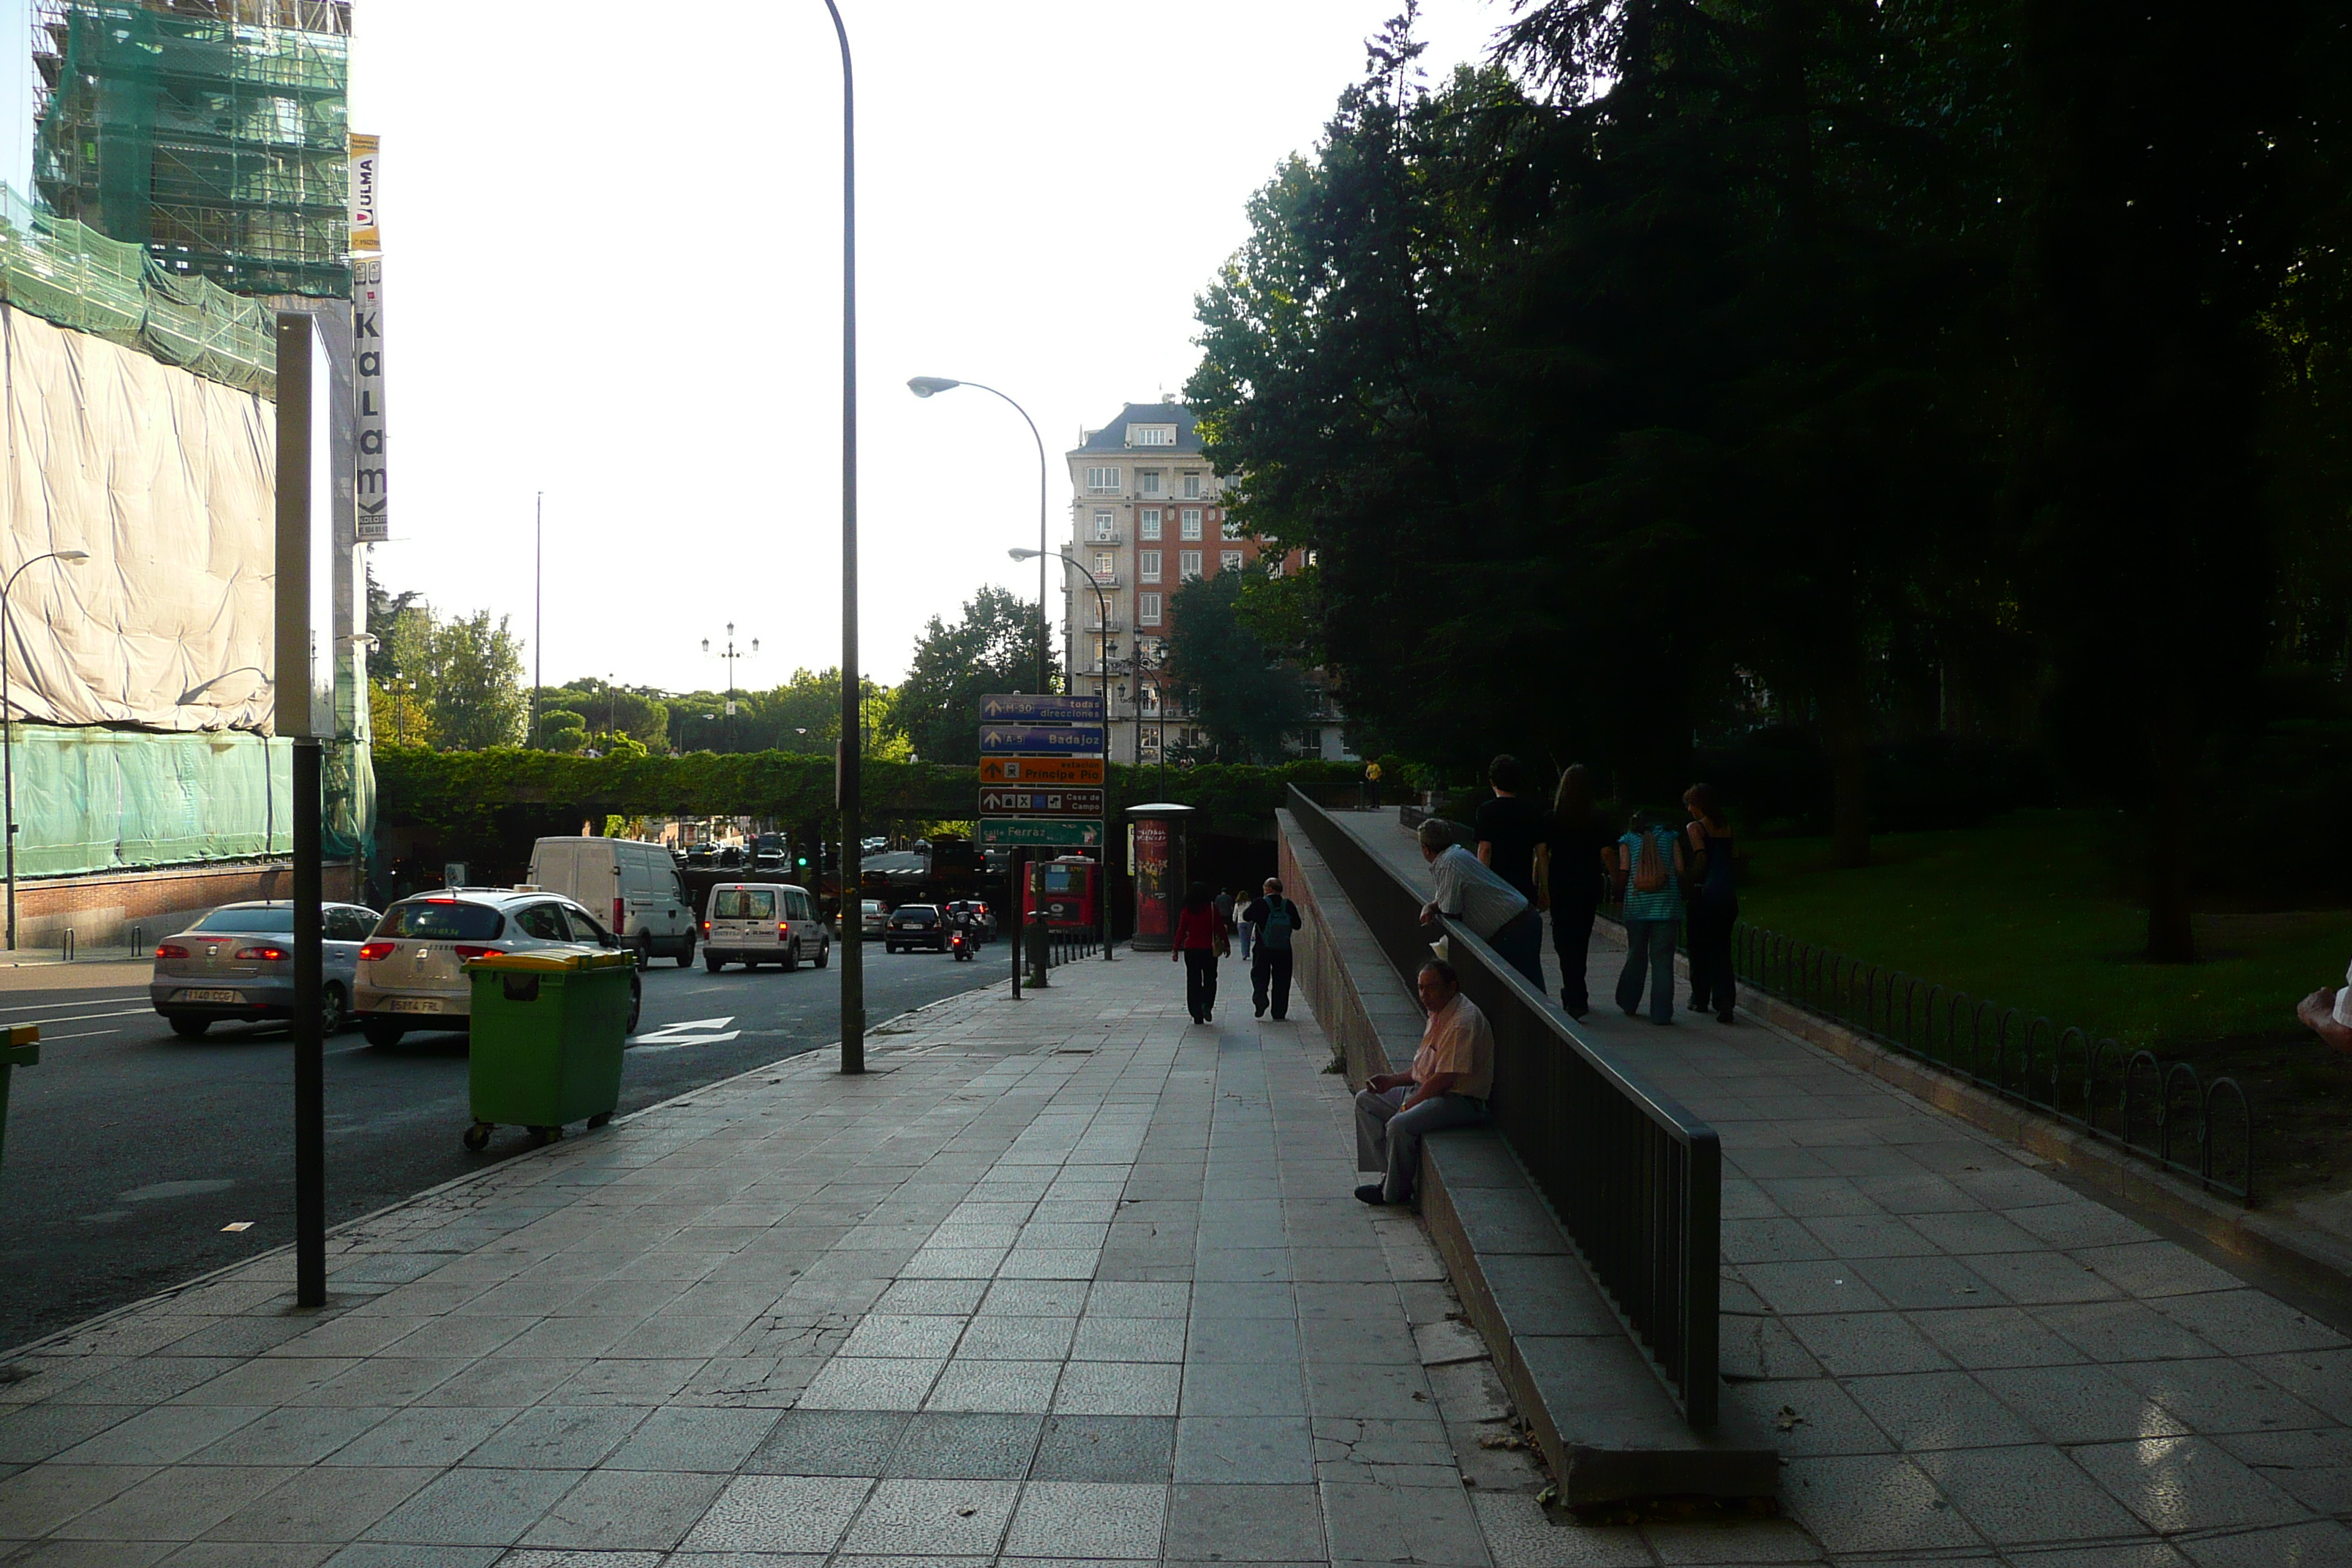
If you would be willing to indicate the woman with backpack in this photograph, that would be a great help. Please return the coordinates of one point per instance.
(1650, 866)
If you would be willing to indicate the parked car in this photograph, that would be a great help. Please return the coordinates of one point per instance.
(632, 886)
(412, 971)
(983, 919)
(872, 918)
(912, 926)
(237, 966)
(752, 923)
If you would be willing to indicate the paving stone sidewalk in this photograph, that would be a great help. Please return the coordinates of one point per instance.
(1066, 1280)
(1965, 1358)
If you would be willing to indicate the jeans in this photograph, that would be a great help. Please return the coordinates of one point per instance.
(1520, 944)
(1712, 987)
(1389, 1140)
(1200, 982)
(1270, 980)
(1571, 939)
(1649, 943)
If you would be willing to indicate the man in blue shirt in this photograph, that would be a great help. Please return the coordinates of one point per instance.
(1274, 919)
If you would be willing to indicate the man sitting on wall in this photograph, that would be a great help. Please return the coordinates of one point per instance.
(1447, 1086)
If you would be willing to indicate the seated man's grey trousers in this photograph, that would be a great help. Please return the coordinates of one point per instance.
(1389, 1140)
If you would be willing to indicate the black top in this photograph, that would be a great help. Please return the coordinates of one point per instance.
(1576, 862)
(1512, 826)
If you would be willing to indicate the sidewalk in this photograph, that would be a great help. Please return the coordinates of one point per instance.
(1066, 1280)
(1964, 1357)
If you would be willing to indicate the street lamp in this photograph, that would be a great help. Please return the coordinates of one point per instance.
(928, 385)
(1102, 617)
(8, 725)
(730, 654)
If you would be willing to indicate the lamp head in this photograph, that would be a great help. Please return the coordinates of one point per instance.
(925, 385)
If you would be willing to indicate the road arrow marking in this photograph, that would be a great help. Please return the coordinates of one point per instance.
(688, 1031)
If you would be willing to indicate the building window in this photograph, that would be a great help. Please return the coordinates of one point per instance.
(1192, 486)
(1147, 607)
(1146, 566)
(1152, 435)
(1188, 522)
(1188, 563)
(1104, 526)
(1102, 479)
(1147, 521)
(1231, 529)
(1229, 559)
(1146, 482)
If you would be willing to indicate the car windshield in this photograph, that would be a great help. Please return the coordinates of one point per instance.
(743, 904)
(442, 919)
(249, 923)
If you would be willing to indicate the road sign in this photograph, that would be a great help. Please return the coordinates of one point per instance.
(1003, 802)
(1030, 708)
(1041, 770)
(1033, 740)
(1027, 833)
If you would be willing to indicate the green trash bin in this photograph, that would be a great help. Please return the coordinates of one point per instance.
(548, 1027)
(23, 1050)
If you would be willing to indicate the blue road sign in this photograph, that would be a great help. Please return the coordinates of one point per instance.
(1036, 741)
(1034, 707)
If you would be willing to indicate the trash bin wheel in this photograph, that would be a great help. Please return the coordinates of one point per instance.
(600, 1119)
(477, 1137)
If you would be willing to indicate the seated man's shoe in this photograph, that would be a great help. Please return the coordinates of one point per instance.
(1370, 1192)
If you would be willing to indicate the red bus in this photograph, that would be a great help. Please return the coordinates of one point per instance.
(1072, 892)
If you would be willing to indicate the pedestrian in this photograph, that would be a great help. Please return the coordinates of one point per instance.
(1197, 939)
(1576, 866)
(1275, 919)
(1713, 904)
(1491, 908)
(1373, 784)
(1447, 1086)
(1650, 861)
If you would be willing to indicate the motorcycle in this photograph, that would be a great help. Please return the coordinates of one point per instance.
(960, 944)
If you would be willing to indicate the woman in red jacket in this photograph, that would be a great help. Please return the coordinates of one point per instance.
(1199, 934)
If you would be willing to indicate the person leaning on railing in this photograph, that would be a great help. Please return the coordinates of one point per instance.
(1447, 1086)
(1493, 909)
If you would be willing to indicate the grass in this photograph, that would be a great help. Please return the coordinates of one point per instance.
(2023, 912)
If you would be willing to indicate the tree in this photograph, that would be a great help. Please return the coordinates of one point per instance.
(992, 647)
(1248, 702)
(476, 668)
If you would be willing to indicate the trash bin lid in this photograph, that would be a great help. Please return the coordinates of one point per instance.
(554, 960)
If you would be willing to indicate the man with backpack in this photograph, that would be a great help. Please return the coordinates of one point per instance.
(1274, 920)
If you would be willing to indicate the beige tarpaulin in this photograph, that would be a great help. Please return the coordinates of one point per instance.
(167, 480)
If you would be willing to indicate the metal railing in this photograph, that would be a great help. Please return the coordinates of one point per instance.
(2128, 1098)
(1636, 1179)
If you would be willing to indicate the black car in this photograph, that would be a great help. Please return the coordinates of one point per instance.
(912, 926)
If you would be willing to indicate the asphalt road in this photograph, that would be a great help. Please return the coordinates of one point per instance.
(129, 1149)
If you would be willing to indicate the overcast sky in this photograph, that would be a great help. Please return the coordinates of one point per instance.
(611, 242)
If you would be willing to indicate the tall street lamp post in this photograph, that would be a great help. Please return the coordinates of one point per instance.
(852, 960)
(9, 724)
(1102, 618)
(927, 385)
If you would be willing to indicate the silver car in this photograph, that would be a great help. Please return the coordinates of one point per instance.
(237, 966)
(412, 971)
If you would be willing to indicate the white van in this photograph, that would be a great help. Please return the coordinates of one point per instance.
(632, 886)
(752, 923)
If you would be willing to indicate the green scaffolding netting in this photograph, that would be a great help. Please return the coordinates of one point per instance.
(218, 143)
(108, 800)
(65, 272)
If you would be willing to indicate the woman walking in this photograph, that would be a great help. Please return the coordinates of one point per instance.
(1649, 859)
(1576, 864)
(1199, 936)
(1713, 905)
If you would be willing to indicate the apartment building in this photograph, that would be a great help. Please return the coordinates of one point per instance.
(1147, 513)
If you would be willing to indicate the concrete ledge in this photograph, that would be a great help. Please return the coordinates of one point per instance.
(1598, 1408)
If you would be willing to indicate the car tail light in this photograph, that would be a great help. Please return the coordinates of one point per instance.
(464, 950)
(374, 951)
(170, 950)
(265, 954)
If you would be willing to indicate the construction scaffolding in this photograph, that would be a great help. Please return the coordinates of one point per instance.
(212, 133)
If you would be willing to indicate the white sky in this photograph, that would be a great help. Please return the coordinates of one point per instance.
(612, 274)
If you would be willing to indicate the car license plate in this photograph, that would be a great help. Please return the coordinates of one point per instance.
(212, 995)
(414, 1005)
